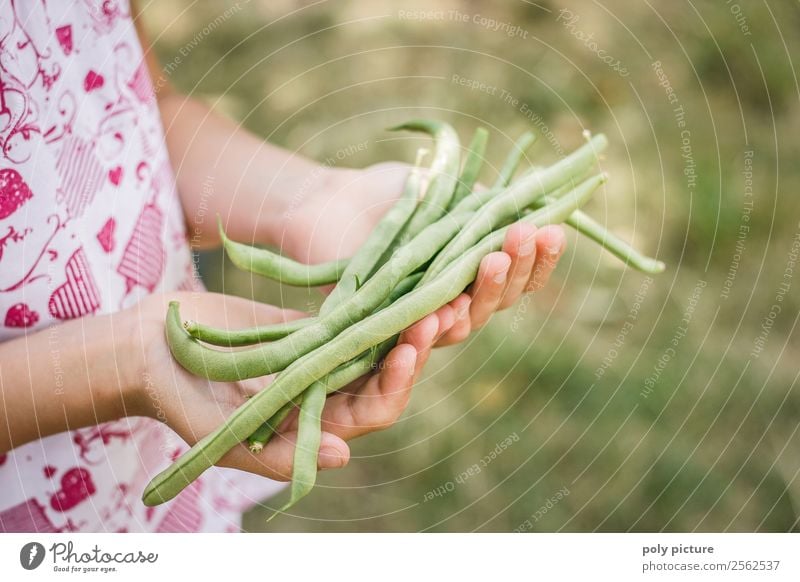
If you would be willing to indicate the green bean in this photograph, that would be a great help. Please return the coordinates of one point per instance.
(279, 268)
(253, 335)
(371, 331)
(338, 378)
(510, 203)
(562, 172)
(587, 226)
(273, 357)
(309, 424)
(514, 158)
(591, 229)
(306, 451)
(363, 263)
(472, 165)
(262, 435)
(245, 337)
(443, 175)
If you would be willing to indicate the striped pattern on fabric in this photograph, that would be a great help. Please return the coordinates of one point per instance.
(78, 296)
(143, 260)
(140, 83)
(81, 175)
(28, 516)
(184, 513)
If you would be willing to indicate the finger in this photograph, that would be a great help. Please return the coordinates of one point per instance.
(462, 326)
(379, 403)
(446, 316)
(488, 287)
(419, 336)
(249, 387)
(520, 245)
(423, 334)
(550, 244)
(356, 412)
(275, 461)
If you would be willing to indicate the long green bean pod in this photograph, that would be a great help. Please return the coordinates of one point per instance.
(590, 228)
(306, 450)
(513, 159)
(472, 166)
(523, 193)
(355, 340)
(245, 337)
(279, 268)
(443, 174)
(336, 380)
(562, 172)
(362, 264)
(254, 335)
(341, 376)
(309, 424)
(275, 356)
(455, 232)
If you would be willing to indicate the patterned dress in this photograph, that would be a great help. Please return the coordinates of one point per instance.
(90, 223)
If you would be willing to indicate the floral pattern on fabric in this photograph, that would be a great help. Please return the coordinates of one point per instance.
(90, 223)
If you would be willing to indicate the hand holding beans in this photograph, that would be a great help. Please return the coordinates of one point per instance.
(194, 406)
(417, 260)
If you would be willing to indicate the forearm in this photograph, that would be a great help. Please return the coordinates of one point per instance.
(68, 376)
(223, 169)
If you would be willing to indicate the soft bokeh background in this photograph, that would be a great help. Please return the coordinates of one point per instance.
(714, 444)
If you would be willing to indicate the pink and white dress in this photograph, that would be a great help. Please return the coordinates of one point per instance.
(90, 222)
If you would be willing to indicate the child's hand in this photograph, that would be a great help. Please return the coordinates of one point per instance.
(334, 215)
(194, 406)
(331, 223)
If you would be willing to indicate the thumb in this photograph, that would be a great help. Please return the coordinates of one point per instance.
(276, 460)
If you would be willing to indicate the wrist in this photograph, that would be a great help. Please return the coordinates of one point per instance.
(132, 378)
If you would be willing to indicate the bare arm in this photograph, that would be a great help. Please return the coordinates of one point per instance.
(221, 168)
(68, 376)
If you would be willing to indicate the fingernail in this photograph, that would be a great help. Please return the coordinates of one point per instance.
(501, 276)
(527, 247)
(554, 249)
(331, 458)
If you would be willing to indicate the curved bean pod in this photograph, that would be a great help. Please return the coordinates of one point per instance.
(219, 336)
(341, 376)
(355, 340)
(513, 159)
(590, 228)
(336, 380)
(443, 174)
(472, 166)
(245, 337)
(275, 356)
(279, 268)
(306, 451)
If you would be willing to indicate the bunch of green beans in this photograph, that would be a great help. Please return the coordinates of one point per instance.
(420, 256)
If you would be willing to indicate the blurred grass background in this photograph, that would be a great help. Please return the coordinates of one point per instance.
(714, 444)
